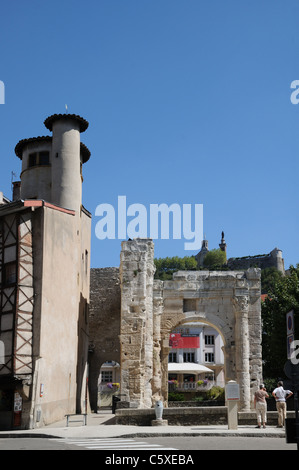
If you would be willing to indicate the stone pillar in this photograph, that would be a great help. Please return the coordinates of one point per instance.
(242, 350)
(158, 310)
(253, 276)
(136, 332)
(164, 368)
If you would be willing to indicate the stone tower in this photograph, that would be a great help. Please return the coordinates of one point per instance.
(222, 244)
(44, 280)
(52, 166)
(202, 253)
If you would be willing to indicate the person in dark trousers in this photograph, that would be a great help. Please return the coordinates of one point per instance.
(281, 395)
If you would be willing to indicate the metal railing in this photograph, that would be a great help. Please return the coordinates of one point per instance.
(191, 386)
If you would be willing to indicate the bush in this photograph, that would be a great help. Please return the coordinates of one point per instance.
(199, 398)
(172, 396)
(270, 384)
(215, 393)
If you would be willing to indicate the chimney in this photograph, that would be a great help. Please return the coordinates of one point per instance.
(16, 190)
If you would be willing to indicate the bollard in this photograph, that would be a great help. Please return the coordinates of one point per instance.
(232, 395)
(159, 409)
(159, 421)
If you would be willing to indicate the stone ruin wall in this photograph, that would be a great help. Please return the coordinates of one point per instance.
(137, 325)
(271, 260)
(131, 316)
(104, 324)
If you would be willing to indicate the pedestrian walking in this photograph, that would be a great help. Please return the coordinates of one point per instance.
(260, 405)
(281, 395)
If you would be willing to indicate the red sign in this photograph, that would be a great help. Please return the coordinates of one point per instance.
(178, 341)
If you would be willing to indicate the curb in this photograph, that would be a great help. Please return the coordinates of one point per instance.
(149, 434)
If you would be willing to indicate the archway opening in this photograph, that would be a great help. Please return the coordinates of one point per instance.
(196, 361)
(108, 384)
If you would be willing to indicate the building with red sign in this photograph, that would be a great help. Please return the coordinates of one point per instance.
(196, 355)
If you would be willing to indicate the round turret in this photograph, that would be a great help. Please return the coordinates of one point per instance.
(67, 158)
(52, 165)
(35, 154)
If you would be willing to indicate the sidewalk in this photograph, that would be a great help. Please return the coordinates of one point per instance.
(100, 426)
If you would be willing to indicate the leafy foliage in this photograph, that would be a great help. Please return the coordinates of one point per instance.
(216, 393)
(172, 396)
(215, 259)
(282, 298)
(165, 267)
(269, 277)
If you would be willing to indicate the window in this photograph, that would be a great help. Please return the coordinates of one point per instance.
(86, 262)
(10, 273)
(189, 305)
(209, 357)
(38, 158)
(172, 357)
(107, 376)
(189, 357)
(209, 339)
(44, 158)
(32, 160)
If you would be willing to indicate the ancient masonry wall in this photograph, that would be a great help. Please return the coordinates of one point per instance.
(104, 324)
(271, 260)
(137, 273)
(146, 311)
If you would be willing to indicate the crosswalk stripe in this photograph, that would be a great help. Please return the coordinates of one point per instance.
(112, 444)
(104, 441)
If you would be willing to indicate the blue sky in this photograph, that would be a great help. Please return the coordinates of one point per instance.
(188, 103)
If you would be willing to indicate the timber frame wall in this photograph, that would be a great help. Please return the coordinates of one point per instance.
(16, 294)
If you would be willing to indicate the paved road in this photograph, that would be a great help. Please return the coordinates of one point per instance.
(153, 444)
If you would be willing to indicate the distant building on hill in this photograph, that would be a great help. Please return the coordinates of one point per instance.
(268, 260)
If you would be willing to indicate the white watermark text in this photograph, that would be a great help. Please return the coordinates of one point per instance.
(136, 221)
(2, 92)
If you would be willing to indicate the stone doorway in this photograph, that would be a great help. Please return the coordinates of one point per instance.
(195, 359)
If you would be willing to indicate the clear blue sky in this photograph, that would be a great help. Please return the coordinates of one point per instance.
(188, 102)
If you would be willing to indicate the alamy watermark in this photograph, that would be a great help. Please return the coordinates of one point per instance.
(294, 350)
(136, 221)
(294, 95)
(2, 92)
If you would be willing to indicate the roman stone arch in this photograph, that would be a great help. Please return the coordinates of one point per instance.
(150, 309)
(194, 317)
(215, 321)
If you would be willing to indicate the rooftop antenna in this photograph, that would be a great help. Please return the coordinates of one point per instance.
(66, 108)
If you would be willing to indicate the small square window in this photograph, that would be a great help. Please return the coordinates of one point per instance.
(106, 376)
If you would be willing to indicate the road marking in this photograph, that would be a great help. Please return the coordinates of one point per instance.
(112, 444)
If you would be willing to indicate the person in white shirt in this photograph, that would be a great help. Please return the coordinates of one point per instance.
(281, 395)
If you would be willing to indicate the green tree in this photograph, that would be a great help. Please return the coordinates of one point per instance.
(269, 277)
(215, 259)
(165, 267)
(283, 297)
